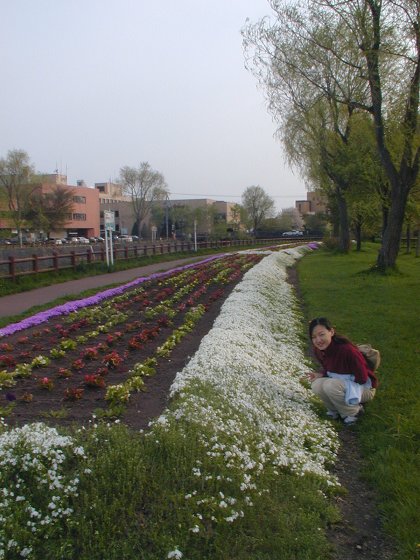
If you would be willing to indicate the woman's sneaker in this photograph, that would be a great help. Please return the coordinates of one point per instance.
(348, 420)
(333, 414)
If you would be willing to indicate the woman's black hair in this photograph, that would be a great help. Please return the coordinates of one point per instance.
(340, 339)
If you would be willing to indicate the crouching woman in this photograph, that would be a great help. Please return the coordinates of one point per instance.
(345, 381)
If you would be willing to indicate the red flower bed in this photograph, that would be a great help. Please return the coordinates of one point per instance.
(79, 356)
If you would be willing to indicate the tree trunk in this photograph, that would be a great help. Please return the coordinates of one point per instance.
(358, 231)
(344, 238)
(391, 241)
(408, 242)
(385, 214)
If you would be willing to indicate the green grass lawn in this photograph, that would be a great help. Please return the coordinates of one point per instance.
(385, 311)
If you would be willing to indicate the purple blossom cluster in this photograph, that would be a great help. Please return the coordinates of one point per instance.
(72, 306)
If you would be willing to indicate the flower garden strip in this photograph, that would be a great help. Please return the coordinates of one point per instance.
(243, 391)
(67, 308)
(100, 352)
(251, 363)
(239, 419)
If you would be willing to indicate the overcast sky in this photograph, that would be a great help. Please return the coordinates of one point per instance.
(89, 86)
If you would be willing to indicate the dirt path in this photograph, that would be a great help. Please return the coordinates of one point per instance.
(359, 535)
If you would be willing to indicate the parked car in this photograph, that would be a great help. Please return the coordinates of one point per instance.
(292, 234)
(126, 238)
(83, 240)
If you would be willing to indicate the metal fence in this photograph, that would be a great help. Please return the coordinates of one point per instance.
(33, 260)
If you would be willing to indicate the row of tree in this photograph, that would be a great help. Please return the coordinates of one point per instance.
(31, 207)
(342, 80)
(254, 216)
(26, 204)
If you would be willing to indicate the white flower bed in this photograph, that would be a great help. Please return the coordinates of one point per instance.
(244, 381)
(34, 493)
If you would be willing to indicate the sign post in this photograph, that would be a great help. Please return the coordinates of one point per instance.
(154, 232)
(109, 226)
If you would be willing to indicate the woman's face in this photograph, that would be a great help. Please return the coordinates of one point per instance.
(321, 337)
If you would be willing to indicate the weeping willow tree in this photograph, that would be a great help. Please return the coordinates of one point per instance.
(361, 54)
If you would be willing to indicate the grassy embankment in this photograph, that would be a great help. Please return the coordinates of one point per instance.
(385, 311)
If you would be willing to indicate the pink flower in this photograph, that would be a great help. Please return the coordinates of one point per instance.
(46, 383)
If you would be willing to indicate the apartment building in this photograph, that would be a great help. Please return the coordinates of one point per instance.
(206, 210)
(315, 203)
(84, 218)
(89, 204)
(111, 198)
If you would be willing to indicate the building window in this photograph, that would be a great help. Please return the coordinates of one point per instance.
(79, 217)
(79, 199)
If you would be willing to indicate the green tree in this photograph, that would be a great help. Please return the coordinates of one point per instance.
(303, 85)
(144, 186)
(49, 211)
(374, 45)
(412, 216)
(315, 224)
(258, 205)
(237, 218)
(289, 219)
(16, 172)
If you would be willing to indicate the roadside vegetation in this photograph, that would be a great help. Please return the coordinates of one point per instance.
(383, 310)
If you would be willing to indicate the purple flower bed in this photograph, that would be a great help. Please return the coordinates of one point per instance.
(71, 306)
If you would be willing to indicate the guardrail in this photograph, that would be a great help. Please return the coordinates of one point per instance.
(61, 259)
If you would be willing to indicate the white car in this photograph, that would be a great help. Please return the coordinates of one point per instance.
(83, 240)
(292, 234)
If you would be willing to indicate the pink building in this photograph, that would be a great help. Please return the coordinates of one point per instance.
(84, 219)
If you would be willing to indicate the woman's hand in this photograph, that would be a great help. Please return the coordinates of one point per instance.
(312, 375)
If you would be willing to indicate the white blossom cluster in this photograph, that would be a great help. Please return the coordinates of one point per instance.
(34, 492)
(243, 385)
